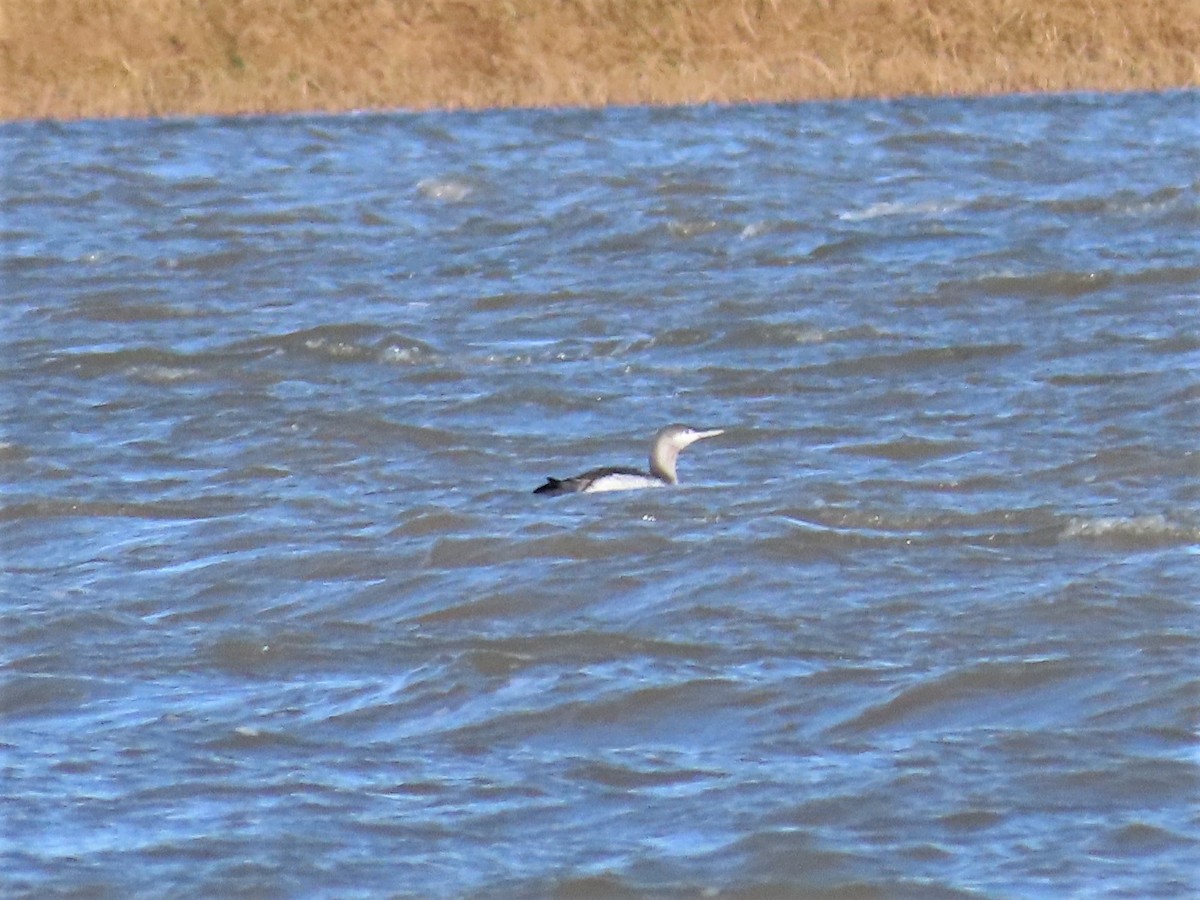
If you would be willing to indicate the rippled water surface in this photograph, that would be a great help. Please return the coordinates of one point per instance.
(282, 617)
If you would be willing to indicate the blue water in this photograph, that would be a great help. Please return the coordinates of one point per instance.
(281, 616)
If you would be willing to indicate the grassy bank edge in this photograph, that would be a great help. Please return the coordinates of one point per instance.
(66, 59)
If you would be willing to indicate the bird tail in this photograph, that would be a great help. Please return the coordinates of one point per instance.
(550, 487)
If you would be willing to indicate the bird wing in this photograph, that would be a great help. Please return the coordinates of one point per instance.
(581, 482)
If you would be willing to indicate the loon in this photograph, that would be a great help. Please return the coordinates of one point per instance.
(664, 450)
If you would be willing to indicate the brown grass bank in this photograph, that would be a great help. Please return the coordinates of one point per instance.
(70, 58)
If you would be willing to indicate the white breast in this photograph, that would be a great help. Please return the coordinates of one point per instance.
(620, 481)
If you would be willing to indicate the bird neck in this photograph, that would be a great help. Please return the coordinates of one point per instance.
(662, 464)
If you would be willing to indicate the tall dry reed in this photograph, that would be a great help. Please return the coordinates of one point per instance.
(67, 58)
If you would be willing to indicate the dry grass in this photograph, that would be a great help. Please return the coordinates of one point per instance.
(69, 58)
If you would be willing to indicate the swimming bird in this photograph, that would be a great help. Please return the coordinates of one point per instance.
(664, 450)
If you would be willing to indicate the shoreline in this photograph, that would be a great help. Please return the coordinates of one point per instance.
(164, 58)
(332, 112)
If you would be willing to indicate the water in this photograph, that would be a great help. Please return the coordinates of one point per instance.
(281, 616)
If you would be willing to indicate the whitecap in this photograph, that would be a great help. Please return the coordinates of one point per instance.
(447, 189)
(896, 208)
(1151, 529)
